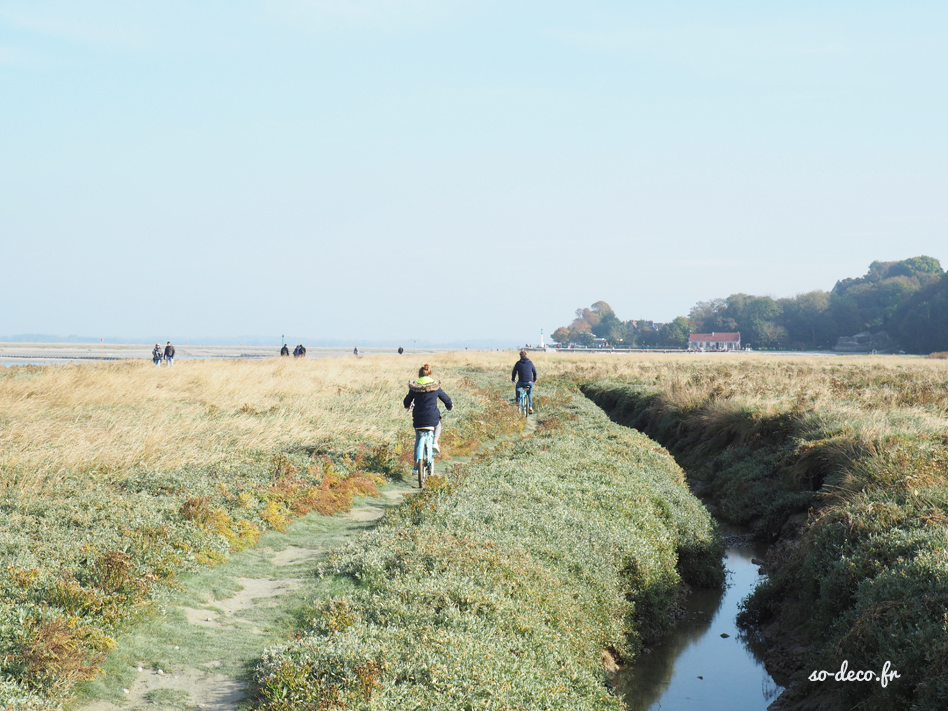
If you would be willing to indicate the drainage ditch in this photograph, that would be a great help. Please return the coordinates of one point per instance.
(705, 662)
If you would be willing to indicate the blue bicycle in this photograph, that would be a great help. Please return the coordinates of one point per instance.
(523, 399)
(424, 454)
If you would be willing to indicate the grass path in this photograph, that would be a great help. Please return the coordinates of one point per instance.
(199, 651)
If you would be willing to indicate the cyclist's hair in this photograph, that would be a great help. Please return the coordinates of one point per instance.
(523, 354)
(424, 370)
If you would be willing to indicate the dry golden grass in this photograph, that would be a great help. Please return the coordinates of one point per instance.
(105, 418)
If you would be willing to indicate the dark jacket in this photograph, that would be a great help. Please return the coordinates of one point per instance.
(169, 351)
(425, 395)
(156, 353)
(526, 371)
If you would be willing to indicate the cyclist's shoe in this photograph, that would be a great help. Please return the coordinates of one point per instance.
(437, 448)
(529, 410)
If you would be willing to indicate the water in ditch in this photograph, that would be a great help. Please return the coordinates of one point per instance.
(705, 662)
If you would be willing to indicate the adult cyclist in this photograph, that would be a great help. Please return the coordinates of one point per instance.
(425, 393)
(525, 376)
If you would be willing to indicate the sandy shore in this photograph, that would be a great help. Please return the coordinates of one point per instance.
(52, 353)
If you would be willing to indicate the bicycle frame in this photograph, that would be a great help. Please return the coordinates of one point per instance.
(424, 454)
(523, 395)
(425, 449)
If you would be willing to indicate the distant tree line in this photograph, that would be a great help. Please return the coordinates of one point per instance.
(907, 299)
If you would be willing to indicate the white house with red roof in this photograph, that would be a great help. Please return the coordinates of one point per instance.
(714, 342)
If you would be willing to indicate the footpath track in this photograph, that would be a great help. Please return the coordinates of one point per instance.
(199, 651)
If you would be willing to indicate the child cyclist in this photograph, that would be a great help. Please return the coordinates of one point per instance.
(425, 393)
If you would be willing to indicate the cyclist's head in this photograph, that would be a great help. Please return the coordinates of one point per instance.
(424, 370)
(523, 354)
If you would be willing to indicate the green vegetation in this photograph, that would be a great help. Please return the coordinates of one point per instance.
(121, 485)
(503, 588)
(908, 300)
(846, 466)
(117, 478)
(85, 561)
(230, 643)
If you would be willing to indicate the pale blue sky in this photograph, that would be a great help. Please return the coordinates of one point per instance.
(455, 170)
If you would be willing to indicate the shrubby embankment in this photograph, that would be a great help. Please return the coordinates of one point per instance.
(846, 467)
(504, 588)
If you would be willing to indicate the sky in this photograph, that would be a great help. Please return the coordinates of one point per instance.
(454, 170)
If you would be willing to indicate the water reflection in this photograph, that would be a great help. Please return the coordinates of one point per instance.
(694, 667)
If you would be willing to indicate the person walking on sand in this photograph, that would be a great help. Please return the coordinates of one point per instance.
(525, 376)
(285, 351)
(169, 354)
(355, 351)
(400, 350)
(424, 393)
(156, 355)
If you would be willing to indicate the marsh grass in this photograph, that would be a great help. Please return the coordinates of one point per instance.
(502, 589)
(852, 458)
(111, 418)
(181, 468)
(115, 478)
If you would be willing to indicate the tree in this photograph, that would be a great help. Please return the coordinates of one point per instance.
(923, 321)
(601, 308)
(755, 317)
(917, 267)
(586, 338)
(611, 328)
(646, 335)
(708, 316)
(807, 320)
(577, 329)
(675, 334)
(561, 335)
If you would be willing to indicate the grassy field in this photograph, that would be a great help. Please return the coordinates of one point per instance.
(115, 477)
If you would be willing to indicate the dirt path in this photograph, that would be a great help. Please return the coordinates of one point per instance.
(199, 651)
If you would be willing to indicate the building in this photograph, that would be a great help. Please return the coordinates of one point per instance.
(864, 342)
(714, 342)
